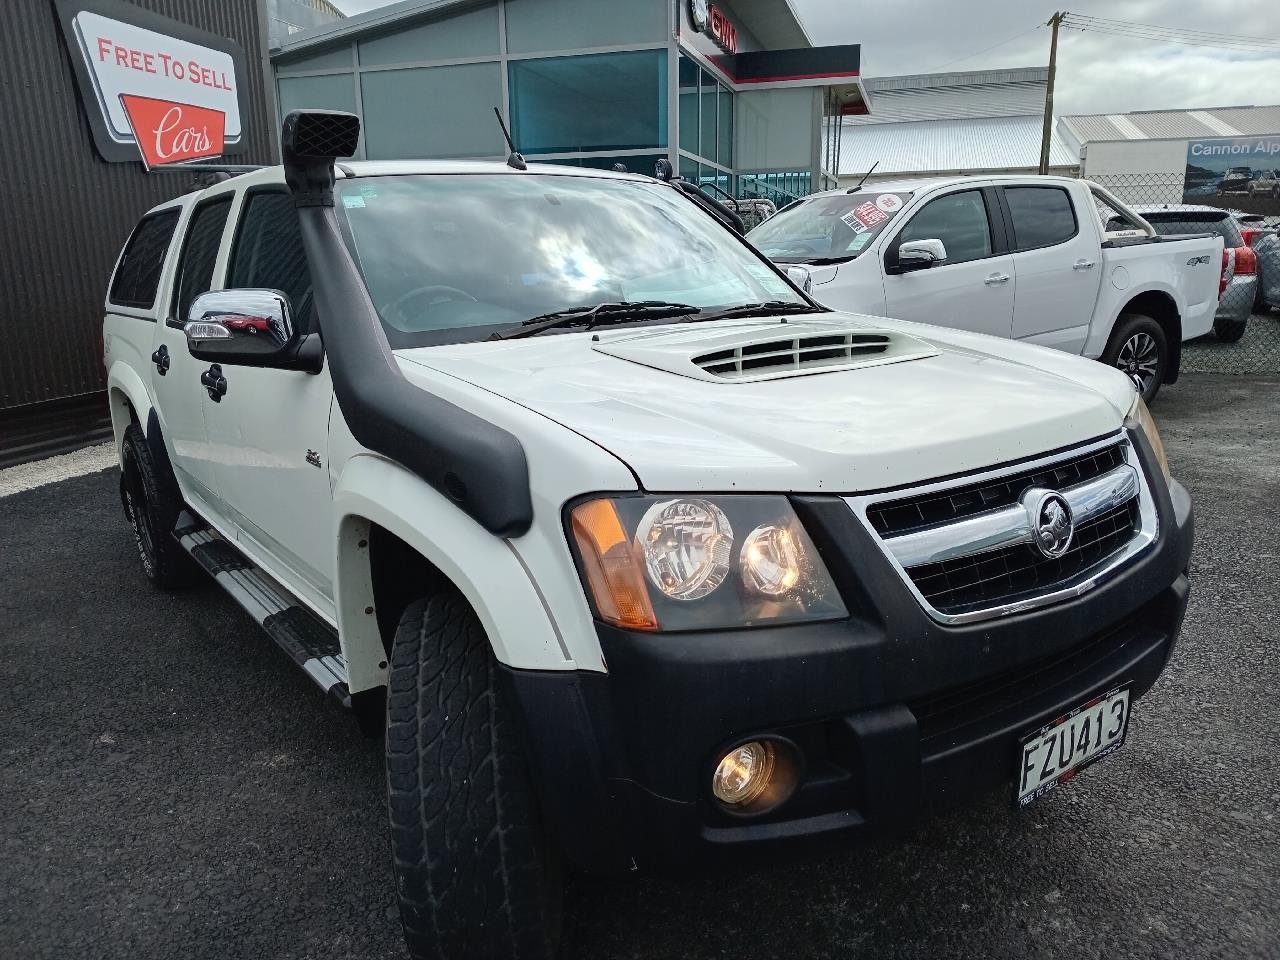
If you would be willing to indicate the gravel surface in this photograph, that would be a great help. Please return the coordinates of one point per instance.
(173, 787)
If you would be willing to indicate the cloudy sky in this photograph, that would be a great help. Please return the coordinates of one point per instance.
(1096, 73)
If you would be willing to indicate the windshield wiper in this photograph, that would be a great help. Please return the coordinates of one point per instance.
(763, 308)
(602, 314)
(827, 261)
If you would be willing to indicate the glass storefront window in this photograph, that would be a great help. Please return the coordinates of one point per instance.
(724, 126)
(688, 105)
(706, 115)
(707, 104)
(603, 101)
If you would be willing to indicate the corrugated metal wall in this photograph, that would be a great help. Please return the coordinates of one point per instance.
(64, 213)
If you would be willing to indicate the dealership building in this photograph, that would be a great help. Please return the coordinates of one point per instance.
(101, 93)
(733, 94)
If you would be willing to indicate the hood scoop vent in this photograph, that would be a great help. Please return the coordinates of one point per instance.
(794, 355)
(750, 351)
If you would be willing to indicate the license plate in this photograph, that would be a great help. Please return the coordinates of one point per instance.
(1059, 750)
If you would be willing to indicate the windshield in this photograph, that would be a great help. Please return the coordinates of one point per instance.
(452, 257)
(827, 229)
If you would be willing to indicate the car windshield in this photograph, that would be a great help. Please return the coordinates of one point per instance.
(828, 228)
(1171, 223)
(454, 257)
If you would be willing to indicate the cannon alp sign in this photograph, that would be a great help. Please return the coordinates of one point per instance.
(154, 89)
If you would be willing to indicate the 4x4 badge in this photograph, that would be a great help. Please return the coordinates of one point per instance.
(313, 458)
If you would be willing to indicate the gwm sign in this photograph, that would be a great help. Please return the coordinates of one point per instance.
(714, 22)
(154, 89)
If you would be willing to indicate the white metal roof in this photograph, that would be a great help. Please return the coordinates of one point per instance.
(971, 144)
(948, 96)
(1173, 124)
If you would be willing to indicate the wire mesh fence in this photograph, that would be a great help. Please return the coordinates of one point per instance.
(1245, 212)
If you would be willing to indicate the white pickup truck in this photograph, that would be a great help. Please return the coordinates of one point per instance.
(638, 557)
(1020, 257)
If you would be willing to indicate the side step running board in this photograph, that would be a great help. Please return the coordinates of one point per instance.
(309, 641)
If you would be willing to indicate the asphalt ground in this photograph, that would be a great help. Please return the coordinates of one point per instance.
(172, 787)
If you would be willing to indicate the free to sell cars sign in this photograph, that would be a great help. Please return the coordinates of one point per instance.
(154, 89)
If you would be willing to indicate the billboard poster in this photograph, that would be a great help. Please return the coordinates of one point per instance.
(1239, 173)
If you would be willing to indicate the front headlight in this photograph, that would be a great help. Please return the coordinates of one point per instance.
(700, 563)
(1141, 418)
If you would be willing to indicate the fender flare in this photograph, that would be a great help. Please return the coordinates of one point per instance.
(483, 567)
(123, 379)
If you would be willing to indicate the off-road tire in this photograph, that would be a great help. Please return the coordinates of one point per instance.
(1229, 331)
(152, 503)
(475, 876)
(1129, 331)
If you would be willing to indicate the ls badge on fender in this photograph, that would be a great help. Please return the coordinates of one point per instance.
(313, 458)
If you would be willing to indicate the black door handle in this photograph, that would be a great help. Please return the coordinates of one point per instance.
(213, 381)
(161, 359)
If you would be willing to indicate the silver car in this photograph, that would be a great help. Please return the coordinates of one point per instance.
(1236, 302)
(1265, 241)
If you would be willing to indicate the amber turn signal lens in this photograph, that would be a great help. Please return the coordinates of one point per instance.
(613, 574)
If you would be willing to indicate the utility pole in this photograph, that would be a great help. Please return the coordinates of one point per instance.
(1047, 133)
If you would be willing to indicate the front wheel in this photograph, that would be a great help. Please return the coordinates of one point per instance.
(1139, 348)
(1229, 331)
(475, 875)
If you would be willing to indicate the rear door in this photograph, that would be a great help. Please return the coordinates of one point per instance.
(175, 376)
(1056, 265)
(973, 289)
(269, 432)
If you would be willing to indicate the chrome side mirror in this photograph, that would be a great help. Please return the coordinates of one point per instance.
(255, 320)
(253, 328)
(920, 255)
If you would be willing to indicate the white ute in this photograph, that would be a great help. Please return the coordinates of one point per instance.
(1019, 257)
(639, 558)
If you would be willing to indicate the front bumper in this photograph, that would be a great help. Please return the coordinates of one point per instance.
(896, 716)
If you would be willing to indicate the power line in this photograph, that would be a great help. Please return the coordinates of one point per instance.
(1136, 31)
(978, 53)
(1185, 31)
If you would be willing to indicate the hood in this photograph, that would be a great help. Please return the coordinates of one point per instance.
(934, 402)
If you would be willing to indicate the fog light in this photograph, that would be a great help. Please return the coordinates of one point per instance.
(744, 773)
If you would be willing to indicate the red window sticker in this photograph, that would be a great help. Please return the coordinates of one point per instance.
(869, 215)
(889, 203)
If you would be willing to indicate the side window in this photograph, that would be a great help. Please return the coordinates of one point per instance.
(959, 220)
(1042, 216)
(138, 274)
(268, 252)
(199, 251)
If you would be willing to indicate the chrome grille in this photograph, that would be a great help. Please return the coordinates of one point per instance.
(965, 583)
(899, 516)
(965, 546)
